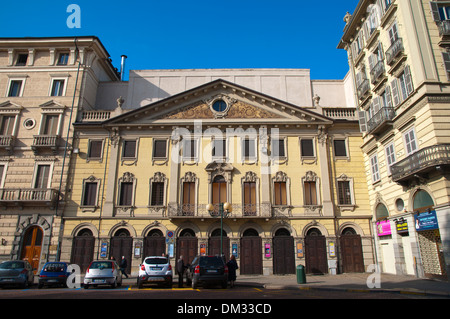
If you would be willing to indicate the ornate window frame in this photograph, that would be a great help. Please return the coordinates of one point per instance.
(158, 177)
(189, 177)
(89, 208)
(346, 207)
(127, 177)
(250, 177)
(311, 176)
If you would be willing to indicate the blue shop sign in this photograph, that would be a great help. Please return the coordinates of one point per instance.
(426, 221)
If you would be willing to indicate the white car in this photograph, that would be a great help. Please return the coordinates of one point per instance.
(103, 272)
(155, 270)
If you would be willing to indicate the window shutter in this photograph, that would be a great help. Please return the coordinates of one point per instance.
(362, 121)
(395, 95)
(446, 57)
(376, 105)
(435, 11)
(388, 96)
(372, 61)
(408, 79)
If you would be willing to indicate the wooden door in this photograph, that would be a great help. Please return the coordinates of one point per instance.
(214, 247)
(82, 251)
(352, 255)
(31, 248)
(188, 248)
(122, 246)
(316, 255)
(154, 246)
(251, 255)
(283, 255)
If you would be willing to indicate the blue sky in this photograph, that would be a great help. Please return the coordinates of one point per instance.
(175, 34)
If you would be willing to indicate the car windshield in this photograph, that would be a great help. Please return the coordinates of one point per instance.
(211, 261)
(156, 261)
(101, 265)
(12, 265)
(55, 267)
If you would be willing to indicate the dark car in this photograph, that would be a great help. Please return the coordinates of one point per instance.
(54, 274)
(207, 270)
(16, 272)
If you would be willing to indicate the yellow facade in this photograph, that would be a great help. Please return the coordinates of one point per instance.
(141, 194)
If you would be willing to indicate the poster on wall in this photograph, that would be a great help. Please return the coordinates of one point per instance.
(384, 228)
(267, 250)
(426, 221)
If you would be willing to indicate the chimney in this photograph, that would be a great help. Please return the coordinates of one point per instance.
(122, 67)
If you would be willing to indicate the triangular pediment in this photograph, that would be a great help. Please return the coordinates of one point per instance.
(237, 104)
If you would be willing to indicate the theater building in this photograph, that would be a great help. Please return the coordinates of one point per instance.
(170, 160)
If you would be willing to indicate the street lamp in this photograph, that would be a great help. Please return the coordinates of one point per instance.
(224, 209)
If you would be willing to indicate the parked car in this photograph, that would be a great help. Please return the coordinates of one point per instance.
(103, 272)
(155, 270)
(207, 270)
(54, 274)
(16, 272)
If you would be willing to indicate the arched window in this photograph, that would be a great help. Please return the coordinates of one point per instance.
(381, 212)
(422, 201)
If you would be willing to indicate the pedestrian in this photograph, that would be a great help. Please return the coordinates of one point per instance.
(180, 271)
(123, 266)
(232, 267)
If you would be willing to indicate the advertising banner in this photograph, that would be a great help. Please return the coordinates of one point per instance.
(384, 228)
(426, 221)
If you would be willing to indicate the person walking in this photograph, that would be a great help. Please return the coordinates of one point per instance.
(232, 267)
(123, 266)
(180, 267)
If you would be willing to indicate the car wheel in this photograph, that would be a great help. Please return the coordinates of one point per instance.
(139, 283)
(114, 284)
(224, 284)
(40, 286)
(85, 286)
(194, 284)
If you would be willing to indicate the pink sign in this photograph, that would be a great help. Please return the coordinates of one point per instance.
(384, 228)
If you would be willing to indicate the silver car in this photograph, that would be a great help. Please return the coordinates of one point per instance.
(103, 272)
(16, 272)
(155, 270)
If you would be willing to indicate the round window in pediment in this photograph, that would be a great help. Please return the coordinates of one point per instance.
(220, 106)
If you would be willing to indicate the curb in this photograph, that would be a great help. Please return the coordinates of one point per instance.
(359, 290)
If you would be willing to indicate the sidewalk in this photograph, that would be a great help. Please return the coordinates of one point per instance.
(344, 282)
(351, 283)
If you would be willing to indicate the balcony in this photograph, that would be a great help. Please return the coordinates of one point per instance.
(377, 71)
(363, 89)
(380, 120)
(444, 28)
(394, 51)
(7, 143)
(200, 211)
(45, 142)
(31, 196)
(436, 157)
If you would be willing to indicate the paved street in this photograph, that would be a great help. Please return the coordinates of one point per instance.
(211, 293)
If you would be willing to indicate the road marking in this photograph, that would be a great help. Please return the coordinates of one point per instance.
(258, 289)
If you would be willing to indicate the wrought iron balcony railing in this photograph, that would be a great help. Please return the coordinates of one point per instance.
(394, 50)
(384, 116)
(421, 162)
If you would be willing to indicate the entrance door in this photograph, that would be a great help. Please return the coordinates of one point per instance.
(214, 244)
(316, 252)
(31, 249)
(187, 246)
(283, 253)
(122, 245)
(352, 255)
(154, 244)
(251, 253)
(83, 249)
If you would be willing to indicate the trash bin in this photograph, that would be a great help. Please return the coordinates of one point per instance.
(301, 275)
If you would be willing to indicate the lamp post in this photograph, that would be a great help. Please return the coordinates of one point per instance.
(223, 208)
